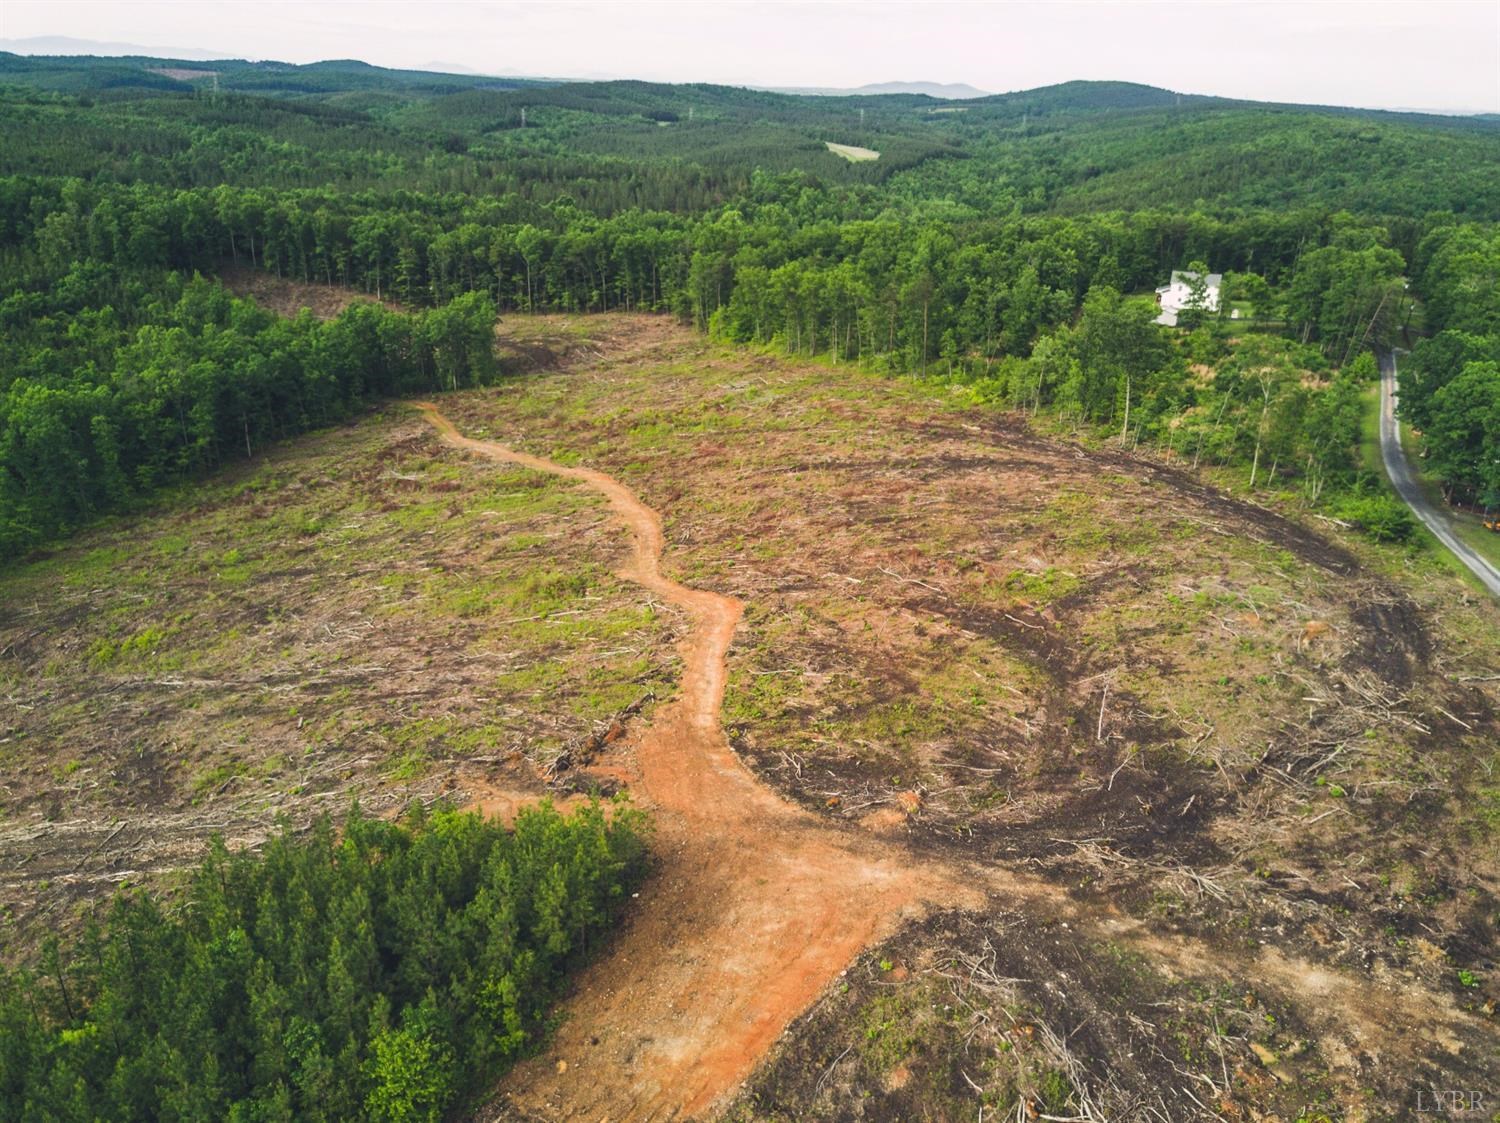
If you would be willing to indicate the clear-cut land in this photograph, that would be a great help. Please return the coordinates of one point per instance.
(1035, 763)
(852, 153)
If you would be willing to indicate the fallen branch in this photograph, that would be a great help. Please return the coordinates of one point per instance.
(829, 1072)
(912, 581)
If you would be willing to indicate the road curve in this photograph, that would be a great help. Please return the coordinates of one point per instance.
(1405, 481)
(756, 906)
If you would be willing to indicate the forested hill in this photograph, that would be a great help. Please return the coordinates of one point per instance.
(1074, 147)
(1086, 97)
(999, 241)
(88, 73)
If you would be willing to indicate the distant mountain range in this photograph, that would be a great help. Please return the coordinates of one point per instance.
(452, 68)
(71, 53)
(65, 45)
(951, 91)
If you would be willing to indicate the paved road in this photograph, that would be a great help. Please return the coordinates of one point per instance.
(1406, 483)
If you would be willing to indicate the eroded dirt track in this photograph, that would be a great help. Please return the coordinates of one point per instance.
(757, 906)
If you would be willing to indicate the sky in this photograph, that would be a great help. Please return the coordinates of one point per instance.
(1425, 54)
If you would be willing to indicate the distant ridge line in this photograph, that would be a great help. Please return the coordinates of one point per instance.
(951, 91)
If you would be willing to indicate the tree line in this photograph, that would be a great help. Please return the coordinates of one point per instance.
(115, 382)
(788, 258)
(1008, 302)
(382, 971)
(1450, 386)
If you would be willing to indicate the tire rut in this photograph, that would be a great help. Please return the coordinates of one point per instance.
(758, 905)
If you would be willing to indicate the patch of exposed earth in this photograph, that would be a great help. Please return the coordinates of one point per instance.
(1181, 761)
(1013, 657)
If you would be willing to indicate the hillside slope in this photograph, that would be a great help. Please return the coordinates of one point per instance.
(1070, 147)
(1164, 748)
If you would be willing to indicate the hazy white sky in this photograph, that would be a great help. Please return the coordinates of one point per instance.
(1416, 53)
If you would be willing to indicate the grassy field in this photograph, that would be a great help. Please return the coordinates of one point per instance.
(1369, 433)
(852, 153)
(1193, 717)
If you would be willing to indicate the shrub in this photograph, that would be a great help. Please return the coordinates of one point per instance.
(1383, 517)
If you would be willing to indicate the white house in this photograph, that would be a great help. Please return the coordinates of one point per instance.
(1177, 294)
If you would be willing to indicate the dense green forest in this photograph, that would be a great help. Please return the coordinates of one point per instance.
(381, 971)
(116, 380)
(614, 146)
(118, 376)
(1450, 387)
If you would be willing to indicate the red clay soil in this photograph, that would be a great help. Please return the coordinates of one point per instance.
(758, 906)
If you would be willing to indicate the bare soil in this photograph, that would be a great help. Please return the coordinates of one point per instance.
(1052, 781)
(1084, 684)
(755, 908)
(287, 297)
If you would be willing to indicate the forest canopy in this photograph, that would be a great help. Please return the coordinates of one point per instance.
(380, 971)
(122, 369)
(983, 246)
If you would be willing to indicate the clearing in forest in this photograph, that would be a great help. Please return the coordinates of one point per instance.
(1029, 672)
(989, 769)
(852, 153)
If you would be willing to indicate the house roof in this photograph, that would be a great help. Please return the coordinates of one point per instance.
(1215, 280)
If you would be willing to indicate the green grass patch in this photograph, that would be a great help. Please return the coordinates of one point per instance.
(756, 696)
(1051, 584)
(134, 649)
(407, 766)
(887, 1031)
(1369, 432)
(211, 779)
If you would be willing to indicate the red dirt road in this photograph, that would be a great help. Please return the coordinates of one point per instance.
(756, 909)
